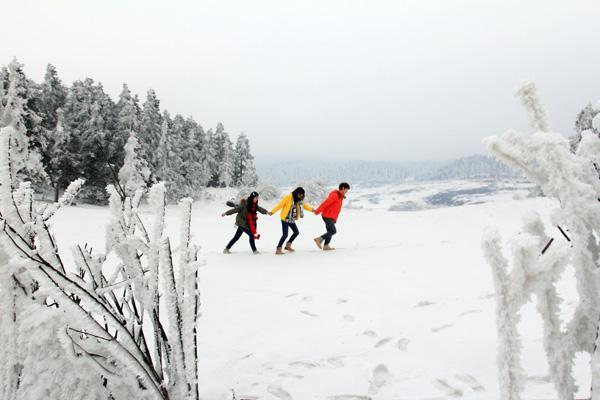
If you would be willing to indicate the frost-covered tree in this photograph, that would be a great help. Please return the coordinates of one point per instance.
(316, 190)
(244, 173)
(91, 120)
(179, 162)
(19, 115)
(164, 149)
(52, 100)
(203, 152)
(150, 129)
(538, 261)
(53, 97)
(3, 87)
(584, 123)
(134, 174)
(223, 161)
(128, 117)
(119, 325)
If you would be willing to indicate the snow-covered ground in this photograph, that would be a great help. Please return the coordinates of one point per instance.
(403, 309)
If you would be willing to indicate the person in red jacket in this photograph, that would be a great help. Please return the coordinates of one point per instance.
(330, 210)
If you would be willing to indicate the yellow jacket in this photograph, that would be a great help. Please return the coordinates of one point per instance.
(286, 205)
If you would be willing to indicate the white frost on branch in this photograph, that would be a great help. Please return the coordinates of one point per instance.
(538, 261)
(527, 92)
(94, 329)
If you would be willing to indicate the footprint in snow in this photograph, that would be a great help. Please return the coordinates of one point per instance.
(424, 303)
(474, 311)
(349, 397)
(441, 328)
(291, 295)
(402, 344)
(268, 366)
(288, 375)
(309, 313)
(471, 381)
(279, 392)
(349, 318)
(247, 397)
(303, 364)
(341, 301)
(381, 376)
(383, 341)
(336, 361)
(370, 333)
(307, 298)
(446, 388)
(246, 356)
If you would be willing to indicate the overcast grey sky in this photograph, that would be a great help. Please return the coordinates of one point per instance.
(343, 79)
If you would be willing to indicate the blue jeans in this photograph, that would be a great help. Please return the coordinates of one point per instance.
(285, 226)
(238, 234)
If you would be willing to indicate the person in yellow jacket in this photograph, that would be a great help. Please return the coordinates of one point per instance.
(291, 207)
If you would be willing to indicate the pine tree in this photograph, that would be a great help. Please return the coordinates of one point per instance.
(179, 163)
(128, 119)
(91, 122)
(192, 158)
(222, 171)
(150, 129)
(134, 173)
(19, 114)
(244, 173)
(204, 152)
(3, 89)
(164, 149)
(53, 97)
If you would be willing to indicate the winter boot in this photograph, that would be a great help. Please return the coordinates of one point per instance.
(318, 241)
(226, 251)
(328, 247)
(256, 252)
(279, 251)
(288, 247)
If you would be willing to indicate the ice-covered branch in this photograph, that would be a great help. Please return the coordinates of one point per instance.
(539, 261)
(527, 92)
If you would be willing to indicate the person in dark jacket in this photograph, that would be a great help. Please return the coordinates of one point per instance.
(246, 220)
(330, 210)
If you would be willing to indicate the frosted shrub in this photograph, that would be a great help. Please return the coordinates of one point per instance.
(118, 325)
(316, 191)
(266, 191)
(537, 261)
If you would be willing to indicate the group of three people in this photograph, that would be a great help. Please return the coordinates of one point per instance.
(292, 208)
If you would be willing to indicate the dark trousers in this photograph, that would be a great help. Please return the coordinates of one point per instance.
(238, 234)
(330, 226)
(285, 226)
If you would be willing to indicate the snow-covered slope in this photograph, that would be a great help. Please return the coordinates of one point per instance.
(403, 309)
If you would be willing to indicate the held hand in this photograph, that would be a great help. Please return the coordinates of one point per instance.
(222, 215)
(257, 236)
(269, 213)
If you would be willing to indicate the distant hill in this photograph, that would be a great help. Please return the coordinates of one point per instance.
(372, 173)
(474, 167)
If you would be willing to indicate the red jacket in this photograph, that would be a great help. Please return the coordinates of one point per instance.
(332, 205)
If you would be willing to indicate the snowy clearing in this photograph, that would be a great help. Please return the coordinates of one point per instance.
(403, 309)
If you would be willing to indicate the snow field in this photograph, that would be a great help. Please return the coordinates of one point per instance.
(403, 309)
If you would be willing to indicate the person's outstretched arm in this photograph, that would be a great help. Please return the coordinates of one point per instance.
(234, 210)
(308, 207)
(279, 205)
(262, 210)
